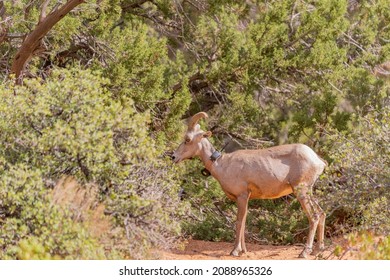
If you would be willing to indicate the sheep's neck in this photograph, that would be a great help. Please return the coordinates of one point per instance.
(207, 151)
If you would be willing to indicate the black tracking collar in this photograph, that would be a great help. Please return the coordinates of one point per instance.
(216, 155)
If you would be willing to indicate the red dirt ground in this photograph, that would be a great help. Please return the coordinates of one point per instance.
(205, 250)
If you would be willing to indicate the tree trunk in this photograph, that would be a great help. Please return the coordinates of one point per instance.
(33, 40)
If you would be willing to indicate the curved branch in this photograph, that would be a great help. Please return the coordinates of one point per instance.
(33, 40)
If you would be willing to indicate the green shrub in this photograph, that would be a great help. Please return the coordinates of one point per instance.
(148, 207)
(365, 245)
(356, 183)
(32, 227)
(372, 248)
(70, 124)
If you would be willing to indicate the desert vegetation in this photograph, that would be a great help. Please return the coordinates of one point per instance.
(94, 95)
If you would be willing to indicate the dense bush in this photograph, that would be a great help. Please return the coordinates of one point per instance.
(371, 247)
(69, 124)
(32, 227)
(148, 207)
(365, 245)
(356, 184)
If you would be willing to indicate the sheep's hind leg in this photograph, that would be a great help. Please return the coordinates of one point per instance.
(307, 206)
(320, 230)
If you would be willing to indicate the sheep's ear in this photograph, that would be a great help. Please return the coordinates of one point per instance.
(207, 134)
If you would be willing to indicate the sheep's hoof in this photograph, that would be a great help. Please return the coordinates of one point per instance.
(317, 250)
(305, 253)
(235, 253)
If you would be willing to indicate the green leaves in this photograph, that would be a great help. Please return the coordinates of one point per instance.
(359, 176)
(70, 125)
(139, 68)
(31, 227)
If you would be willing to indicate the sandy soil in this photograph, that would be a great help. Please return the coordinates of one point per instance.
(204, 250)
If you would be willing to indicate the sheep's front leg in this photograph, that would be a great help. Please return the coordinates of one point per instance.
(242, 204)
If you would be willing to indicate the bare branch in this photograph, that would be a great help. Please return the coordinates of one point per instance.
(44, 10)
(354, 42)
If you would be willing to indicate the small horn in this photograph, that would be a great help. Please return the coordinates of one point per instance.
(195, 118)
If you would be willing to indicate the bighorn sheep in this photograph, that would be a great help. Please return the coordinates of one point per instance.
(263, 174)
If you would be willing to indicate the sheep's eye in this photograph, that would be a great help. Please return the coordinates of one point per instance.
(187, 140)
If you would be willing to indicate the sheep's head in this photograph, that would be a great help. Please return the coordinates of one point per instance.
(191, 146)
